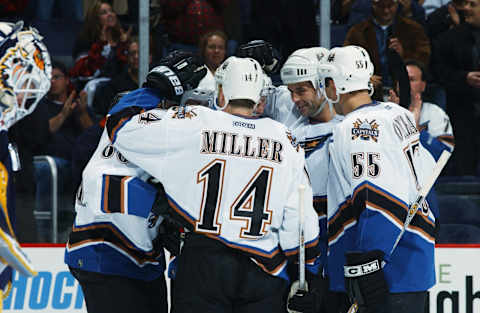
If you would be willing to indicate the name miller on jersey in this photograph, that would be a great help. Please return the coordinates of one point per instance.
(232, 144)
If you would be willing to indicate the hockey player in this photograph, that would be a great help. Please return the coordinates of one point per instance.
(374, 175)
(232, 180)
(115, 247)
(25, 72)
(301, 104)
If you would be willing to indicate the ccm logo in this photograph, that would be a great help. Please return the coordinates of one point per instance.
(363, 269)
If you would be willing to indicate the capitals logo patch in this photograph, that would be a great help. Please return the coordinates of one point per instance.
(365, 130)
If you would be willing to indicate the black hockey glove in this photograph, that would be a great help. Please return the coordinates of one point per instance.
(263, 52)
(364, 279)
(170, 235)
(176, 73)
(308, 301)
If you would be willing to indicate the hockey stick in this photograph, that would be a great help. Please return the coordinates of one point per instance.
(442, 161)
(301, 248)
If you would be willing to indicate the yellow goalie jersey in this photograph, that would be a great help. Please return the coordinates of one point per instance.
(232, 178)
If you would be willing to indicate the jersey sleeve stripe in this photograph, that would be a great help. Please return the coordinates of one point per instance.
(320, 206)
(116, 121)
(370, 196)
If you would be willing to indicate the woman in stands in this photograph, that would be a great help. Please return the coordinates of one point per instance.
(100, 47)
(213, 51)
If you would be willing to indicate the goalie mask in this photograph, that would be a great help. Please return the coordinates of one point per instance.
(350, 68)
(239, 78)
(25, 72)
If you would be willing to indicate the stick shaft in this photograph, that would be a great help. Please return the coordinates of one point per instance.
(301, 248)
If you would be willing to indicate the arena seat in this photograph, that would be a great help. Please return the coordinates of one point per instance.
(458, 234)
(459, 209)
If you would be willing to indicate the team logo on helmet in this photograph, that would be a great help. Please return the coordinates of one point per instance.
(365, 130)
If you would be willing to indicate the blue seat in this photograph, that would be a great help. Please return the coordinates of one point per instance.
(458, 233)
(458, 209)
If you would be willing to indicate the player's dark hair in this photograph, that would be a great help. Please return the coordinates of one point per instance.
(243, 103)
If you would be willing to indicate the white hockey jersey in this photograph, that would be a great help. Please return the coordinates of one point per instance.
(232, 178)
(114, 228)
(313, 138)
(377, 166)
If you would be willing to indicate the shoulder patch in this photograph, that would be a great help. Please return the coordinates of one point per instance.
(148, 118)
(365, 130)
(182, 112)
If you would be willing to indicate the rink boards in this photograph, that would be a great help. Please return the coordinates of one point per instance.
(55, 290)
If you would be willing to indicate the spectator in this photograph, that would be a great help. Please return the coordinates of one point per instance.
(100, 49)
(385, 30)
(126, 80)
(433, 123)
(213, 51)
(67, 116)
(188, 20)
(361, 10)
(456, 63)
(445, 18)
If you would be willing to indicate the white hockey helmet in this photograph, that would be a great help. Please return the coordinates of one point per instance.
(240, 78)
(25, 69)
(302, 65)
(349, 67)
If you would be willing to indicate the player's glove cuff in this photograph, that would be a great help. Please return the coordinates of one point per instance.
(364, 279)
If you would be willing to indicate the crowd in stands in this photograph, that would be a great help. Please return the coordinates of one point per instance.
(438, 39)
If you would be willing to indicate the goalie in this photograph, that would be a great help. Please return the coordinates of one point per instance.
(25, 72)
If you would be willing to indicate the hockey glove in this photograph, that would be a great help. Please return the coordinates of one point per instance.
(309, 301)
(364, 279)
(178, 72)
(169, 234)
(263, 52)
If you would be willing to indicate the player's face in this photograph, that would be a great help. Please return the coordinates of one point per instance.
(305, 98)
(417, 85)
(472, 12)
(108, 18)
(215, 51)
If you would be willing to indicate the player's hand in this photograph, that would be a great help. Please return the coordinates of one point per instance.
(310, 300)
(187, 73)
(364, 279)
(13, 255)
(396, 45)
(473, 79)
(263, 52)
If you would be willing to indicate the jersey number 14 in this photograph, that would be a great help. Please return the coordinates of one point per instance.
(251, 204)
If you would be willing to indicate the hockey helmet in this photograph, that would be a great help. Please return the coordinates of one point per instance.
(239, 78)
(302, 65)
(349, 67)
